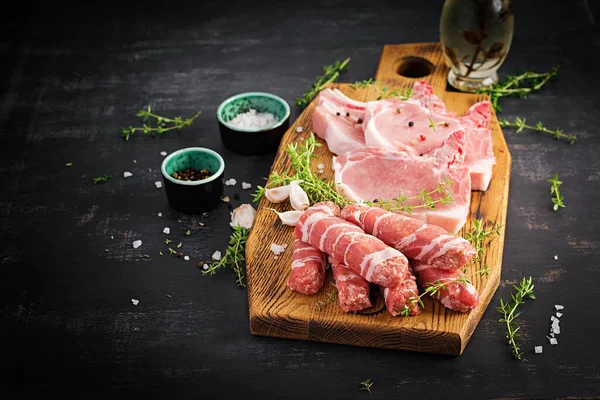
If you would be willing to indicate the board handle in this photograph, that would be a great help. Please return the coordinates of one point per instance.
(402, 64)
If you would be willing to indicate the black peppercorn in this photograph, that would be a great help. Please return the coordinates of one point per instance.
(347, 114)
(360, 121)
(410, 123)
(337, 113)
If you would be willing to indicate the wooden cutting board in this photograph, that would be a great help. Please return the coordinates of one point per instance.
(279, 312)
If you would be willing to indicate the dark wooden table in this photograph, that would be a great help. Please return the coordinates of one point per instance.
(74, 75)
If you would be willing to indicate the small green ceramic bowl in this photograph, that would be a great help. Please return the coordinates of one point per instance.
(192, 197)
(245, 141)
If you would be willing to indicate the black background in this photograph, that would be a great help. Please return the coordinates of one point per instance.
(74, 74)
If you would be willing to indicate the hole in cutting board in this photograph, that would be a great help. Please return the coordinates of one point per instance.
(414, 67)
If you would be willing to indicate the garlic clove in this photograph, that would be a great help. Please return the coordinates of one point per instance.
(289, 218)
(243, 216)
(278, 194)
(298, 197)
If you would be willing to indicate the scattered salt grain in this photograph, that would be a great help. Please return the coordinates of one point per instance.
(556, 257)
(246, 185)
(278, 249)
(276, 257)
(137, 243)
(135, 302)
(321, 166)
(539, 349)
(127, 174)
(167, 230)
(553, 341)
(216, 255)
(253, 120)
(558, 307)
(230, 182)
(205, 266)
(163, 153)
(552, 334)
(299, 129)
(559, 314)
(186, 258)
(555, 328)
(160, 214)
(158, 184)
(552, 318)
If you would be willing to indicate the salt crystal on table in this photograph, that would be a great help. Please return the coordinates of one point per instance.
(163, 153)
(205, 266)
(553, 341)
(556, 257)
(158, 184)
(230, 182)
(539, 349)
(127, 174)
(167, 230)
(160, 214)
(559, 307)
(320, 166)
(246, 185)
(278, 249)
(137, 243)
(299, 129)
(555, 327)
(559, 314)
(135, 302)
(186, 258)
(216, 255)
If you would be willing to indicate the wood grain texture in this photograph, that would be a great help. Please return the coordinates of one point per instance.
(277, 311)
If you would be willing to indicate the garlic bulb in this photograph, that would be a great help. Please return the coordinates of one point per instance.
(243, 216)
(289, 218)
(278, 194)
(298, 197)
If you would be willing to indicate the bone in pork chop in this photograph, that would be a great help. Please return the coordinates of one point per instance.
(376, 173)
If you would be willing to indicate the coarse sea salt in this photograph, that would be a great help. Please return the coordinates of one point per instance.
(186, 258)
(558, 307)
(167, 230)
(216, 255)
(553, 341)
(135, 302)
(277, 249)
(539, 349)
(230, 182)
(160, 214)
(137, 243)
(556, 257)
(246, 185)
(299, 129)
(253, 120)
(127, 174)
(559, 314)
(163, 153)
(158, 184)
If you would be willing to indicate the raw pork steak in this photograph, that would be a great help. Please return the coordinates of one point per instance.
(376, 173)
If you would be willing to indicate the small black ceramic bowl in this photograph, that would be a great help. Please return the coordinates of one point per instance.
(247, 141)
(193, 197)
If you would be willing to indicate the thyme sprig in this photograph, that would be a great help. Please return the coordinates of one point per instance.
(479, 234)
(331, 74)
(524, 290)
(423, 197)
(433, 124)
(518, 86)
(366, 385)
(235, 256)
(384, 91)
(164, 124)
(321, 304)
(520, 124)
(554, 191)
(101, 178)
(317, 188)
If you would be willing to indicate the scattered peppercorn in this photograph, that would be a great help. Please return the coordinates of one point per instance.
(179, 254)
(410, 123)
(191, 174)
(347, 114)
(399, 111)
(201, 264)
(360, 121)
(446, 123)
(375, 200)
(337, 113)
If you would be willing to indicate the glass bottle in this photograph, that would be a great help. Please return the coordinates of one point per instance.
(475, 37)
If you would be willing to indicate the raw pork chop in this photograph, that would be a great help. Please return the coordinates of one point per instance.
(336, 120)
(376, 173)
